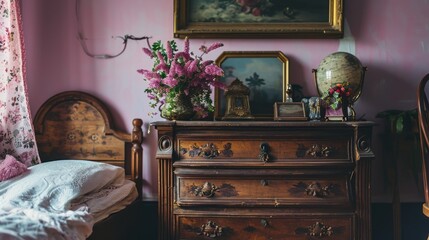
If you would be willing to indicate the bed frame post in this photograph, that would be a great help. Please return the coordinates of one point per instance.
(137, 155)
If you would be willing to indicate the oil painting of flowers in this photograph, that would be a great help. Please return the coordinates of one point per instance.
(259, 10)
(258, 18)
(180, 82)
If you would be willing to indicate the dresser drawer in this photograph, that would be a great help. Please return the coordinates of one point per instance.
(245, 188)
(231, 149)
(339, 227)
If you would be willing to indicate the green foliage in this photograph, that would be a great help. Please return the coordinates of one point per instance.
(401, 120)
(159, 47)
(401, 140)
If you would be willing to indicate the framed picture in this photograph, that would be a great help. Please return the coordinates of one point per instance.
(289, 111)
(258, 18)
(265, 73)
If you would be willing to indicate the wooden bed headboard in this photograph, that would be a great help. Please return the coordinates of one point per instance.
(77, 125)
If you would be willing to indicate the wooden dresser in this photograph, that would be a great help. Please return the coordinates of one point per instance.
(264, 180)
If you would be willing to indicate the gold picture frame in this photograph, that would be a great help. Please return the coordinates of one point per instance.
(266, 73)
(289, 111)
(265, 19)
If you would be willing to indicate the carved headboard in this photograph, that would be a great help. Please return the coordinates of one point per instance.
(77, 125)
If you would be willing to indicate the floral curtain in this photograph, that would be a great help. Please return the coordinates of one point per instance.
(16, 129)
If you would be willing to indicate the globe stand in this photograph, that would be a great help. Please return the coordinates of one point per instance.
(341, 67)
(351, 113)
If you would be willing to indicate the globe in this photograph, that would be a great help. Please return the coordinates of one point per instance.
(340, 67)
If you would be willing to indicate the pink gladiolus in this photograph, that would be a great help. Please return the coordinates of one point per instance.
(172, 71)
(160, 57)
(142, 71)
(193, 66)
(214, 46)
(183, 55)
(186, 49)
(148, 52)
(169, 81)
(148, 74)
(162, 67)
(214, 70)
(169, 51)
(186, 66)
(179, 70)
(154, 82)
(206, 63)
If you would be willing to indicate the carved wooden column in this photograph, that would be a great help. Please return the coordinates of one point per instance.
(364, 157)
(164, 156)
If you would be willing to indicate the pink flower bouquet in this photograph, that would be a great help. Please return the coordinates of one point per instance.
(177, 72)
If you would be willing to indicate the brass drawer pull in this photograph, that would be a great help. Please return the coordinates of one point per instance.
(264, 154)
(207, 190)
(211, 230)
(264, 222)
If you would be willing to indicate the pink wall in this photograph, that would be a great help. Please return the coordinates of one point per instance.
(390, 37)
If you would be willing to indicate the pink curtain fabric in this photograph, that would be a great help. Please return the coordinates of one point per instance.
(16, 130)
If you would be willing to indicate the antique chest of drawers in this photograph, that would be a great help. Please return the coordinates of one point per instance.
(264, 180)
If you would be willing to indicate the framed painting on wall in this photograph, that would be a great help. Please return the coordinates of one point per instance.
(265, 73)
(258, 18)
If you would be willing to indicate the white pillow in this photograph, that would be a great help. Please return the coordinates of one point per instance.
(53, 185)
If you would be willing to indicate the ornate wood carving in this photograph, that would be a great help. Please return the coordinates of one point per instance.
(319, 151)
(208, 190)
(211, 230)
(77, 125)
(315, 189)
(320, 230)
(207, 151)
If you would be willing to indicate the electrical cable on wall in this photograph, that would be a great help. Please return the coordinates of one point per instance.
(82, 42)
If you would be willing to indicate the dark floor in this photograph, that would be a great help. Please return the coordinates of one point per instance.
(414, 225)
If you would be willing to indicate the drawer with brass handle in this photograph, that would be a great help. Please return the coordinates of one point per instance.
(338, 227)
(265, 150)
(242, 190)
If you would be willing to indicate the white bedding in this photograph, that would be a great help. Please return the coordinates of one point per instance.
(62, 199)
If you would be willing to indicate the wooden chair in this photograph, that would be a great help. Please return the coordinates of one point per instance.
(423, 119)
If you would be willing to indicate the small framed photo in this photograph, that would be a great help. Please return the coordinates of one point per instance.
(289, 111)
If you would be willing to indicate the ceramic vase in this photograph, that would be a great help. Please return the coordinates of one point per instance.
(178, 107)
(338, 114)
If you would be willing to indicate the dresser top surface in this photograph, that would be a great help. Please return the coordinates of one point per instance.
(261, 124)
